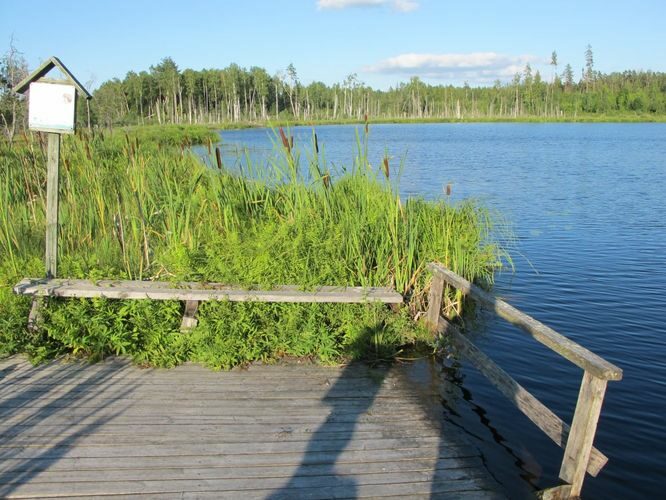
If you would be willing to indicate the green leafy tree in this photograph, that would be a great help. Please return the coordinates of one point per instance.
(13, 68)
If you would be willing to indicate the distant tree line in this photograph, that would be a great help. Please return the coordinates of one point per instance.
(165, 94)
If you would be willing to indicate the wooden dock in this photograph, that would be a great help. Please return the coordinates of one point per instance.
(283, 431)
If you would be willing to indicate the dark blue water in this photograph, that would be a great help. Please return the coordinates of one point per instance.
(587, 204)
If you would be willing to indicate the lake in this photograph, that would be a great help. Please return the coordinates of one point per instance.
(587, 207)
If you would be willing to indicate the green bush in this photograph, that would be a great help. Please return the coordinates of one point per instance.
(138, 206)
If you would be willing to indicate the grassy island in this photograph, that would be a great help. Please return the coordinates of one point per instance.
(138, 204)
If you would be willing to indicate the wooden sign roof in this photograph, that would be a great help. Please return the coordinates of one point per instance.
(44, 68)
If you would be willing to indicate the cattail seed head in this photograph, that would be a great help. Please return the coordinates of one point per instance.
(285, 141)
(385, 167)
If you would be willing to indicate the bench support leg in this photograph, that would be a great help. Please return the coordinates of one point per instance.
(35, 316)
(189, 316)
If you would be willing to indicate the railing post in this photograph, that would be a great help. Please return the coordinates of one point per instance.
(435, 300)
(583, 429)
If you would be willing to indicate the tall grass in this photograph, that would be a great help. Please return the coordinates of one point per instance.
(135, 206)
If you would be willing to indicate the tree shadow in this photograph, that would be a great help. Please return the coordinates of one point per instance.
(46, 410)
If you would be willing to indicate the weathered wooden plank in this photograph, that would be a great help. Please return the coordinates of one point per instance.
(228, 437)
(84, 418)
(344, 485)
(160, 392)
(404, 490)
(355, 457)
(53, 160)
(435, 301)
(194, 405)
(562, 492)
(113, 428)
(74, 451)
(577, 454)
(223, 386)
(189, 316)
(531, 407)
(565, 347)
(416, 491)
(211, 291)
(35, 315)
(224, 471)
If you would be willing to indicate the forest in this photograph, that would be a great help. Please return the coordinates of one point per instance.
(235, 95)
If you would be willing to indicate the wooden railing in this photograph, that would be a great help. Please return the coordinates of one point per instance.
(580, 455)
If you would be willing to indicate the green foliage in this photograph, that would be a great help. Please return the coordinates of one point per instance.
(233, 96)
(135, 205)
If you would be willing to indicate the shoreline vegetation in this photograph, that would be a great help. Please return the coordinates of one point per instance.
(582, 118)
(136, 204)
(237, 97)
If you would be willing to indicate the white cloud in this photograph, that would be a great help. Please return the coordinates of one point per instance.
(479, 67)
(399, 5)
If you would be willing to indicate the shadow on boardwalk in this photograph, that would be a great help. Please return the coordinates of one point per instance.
(429, 459)
(341, 421)
(50, 405)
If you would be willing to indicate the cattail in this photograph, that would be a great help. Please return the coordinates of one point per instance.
(385, 166)
(218, 157)
(316, 144)
(365, 118)
(291, 142)
(285, 141)
(448, 190)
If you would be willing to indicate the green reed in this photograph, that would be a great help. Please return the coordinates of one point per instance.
(135, 205)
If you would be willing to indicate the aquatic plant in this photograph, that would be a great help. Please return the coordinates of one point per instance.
(134, 205)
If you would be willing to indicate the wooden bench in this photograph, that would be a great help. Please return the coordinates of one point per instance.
(193, 292)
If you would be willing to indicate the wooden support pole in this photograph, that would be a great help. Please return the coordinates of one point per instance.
(435, 301)
(189, 316)
(52, 205)
(583, 429)
(35, 316)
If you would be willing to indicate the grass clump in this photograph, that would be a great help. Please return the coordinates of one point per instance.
(135, 205)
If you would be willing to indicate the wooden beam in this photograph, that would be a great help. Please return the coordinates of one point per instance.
(35, 316)
(43, 69)
(125, 289)
(189, 316)
(434, 301)
(561, 492)
(531, 407)
(565, 347)
(52, 205)
(583, 429)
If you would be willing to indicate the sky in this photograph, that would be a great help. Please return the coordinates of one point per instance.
(383, 42)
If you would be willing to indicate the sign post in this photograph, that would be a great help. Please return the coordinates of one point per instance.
(52, 109)
(53, 164)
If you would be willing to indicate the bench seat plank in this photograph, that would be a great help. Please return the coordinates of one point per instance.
(192, 291)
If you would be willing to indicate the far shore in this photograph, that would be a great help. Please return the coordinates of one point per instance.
(583, 118)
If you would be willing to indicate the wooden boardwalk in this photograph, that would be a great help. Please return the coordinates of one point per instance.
(283, 431)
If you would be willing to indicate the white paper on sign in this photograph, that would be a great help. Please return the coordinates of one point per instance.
(51, 107)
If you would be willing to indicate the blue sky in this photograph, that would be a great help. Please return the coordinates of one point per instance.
(382, 41)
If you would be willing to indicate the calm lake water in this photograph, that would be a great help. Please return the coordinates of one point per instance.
(587, 205)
